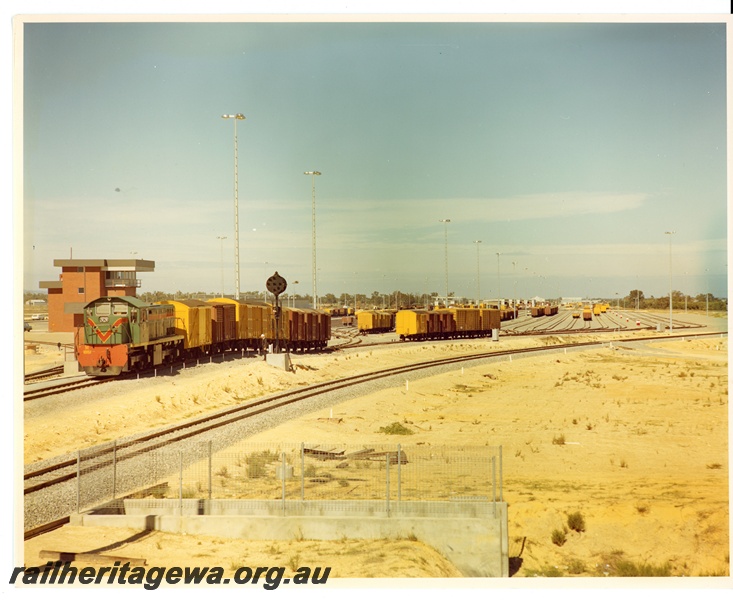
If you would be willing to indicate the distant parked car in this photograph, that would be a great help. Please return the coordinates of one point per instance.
(37, 317)
(27, 327)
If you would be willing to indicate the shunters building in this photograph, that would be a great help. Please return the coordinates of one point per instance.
(82, 281)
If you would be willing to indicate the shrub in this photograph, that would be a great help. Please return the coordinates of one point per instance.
(576, 522)
(642, 509)
(559, 440)
(396, 429)
(576, 567)
(257, 461)
(558, 537)
(545, 571)
(627, 568)
(189, 492)
(294, 561)
(256, 470)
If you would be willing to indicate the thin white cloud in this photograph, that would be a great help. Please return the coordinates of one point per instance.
(392, 214)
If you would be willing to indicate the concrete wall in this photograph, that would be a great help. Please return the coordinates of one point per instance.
(472, 535)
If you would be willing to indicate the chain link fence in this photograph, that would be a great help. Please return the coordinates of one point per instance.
(288, 472)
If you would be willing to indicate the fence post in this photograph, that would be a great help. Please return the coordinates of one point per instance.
(501, 473)
(209, 469)
(387, 469)
(180, 485)
(302, 471)
(283, 477)
(78, 481)
(114, 469)
(399, 473)
(493, 482)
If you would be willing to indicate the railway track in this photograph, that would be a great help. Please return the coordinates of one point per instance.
(348, 337)
(59, 388)
(77, 384)
(45, 528)
(43, 374)
(351, 341)
(66, 470)
(564, 323)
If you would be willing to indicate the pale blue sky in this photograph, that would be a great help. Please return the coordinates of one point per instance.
(568, 148)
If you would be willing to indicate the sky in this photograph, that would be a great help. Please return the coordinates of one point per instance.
(568, 149)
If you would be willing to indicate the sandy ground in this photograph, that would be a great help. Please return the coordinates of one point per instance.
(635, 441)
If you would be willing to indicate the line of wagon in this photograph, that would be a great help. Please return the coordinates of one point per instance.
(122, 333)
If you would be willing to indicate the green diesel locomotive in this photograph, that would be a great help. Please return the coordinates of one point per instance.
(123, 333)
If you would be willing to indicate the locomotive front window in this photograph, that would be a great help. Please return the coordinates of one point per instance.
(103, 309)
(119, 308)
